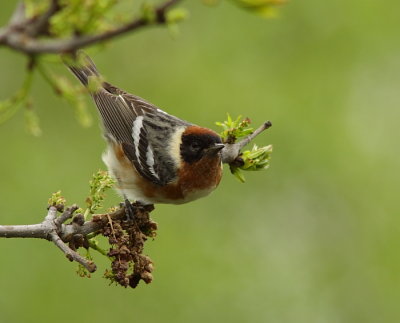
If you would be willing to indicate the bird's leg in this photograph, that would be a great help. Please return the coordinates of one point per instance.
(129, 210)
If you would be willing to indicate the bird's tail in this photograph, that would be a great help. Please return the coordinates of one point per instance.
(83, 67)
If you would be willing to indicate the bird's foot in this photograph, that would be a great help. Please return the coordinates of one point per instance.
(129, 211)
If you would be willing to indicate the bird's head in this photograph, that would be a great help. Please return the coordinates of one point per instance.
(198, 143)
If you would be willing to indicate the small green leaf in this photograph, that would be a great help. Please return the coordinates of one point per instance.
(176, 15)
(237, 173)
(95, 83)
(81, 17)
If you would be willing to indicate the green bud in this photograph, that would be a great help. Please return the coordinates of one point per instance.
(34, 8)
(95, 83)
(264, 8)
(148, 12)
(56, 199)
(176, 15)
(257, 158)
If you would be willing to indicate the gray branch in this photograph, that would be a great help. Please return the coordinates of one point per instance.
(54, 229)
(22, 34)
(231, 151)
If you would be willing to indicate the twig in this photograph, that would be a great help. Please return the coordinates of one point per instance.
(71, 254)
(53, 229)
(93, 226)
(39, 230)
(24, 39)
(17, 19)
(231, 151)
(18, 16)
(51, 221)
(66, 215)
(51, 214)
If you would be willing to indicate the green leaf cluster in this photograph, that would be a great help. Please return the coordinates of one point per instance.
(56, 199)
(250, 160)
(234, 129)
(100, 182)
(257, 158)
(78, 17)
(253, 160)
(98, 185)
(82, 17)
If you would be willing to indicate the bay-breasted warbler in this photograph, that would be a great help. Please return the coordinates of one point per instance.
(153, 156)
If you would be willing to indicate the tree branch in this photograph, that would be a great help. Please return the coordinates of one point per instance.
(17, 19)
(22, 35)
(126, 238)
(71, 254)
(53, 229)
(231, 151)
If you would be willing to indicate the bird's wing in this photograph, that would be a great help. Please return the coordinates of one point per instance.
(143, 131)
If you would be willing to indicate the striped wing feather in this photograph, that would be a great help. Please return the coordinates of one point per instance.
(141, 129)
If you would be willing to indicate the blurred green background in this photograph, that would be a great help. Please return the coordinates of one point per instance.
(314, 239)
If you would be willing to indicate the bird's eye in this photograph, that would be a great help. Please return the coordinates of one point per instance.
(195, 145)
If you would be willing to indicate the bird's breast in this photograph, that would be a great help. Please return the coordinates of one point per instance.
(194, 180)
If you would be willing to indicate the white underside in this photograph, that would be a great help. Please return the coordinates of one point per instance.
(126, 183)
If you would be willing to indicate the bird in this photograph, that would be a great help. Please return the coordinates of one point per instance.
(154, 157)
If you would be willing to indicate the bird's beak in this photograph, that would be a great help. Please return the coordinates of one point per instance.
(213, 150)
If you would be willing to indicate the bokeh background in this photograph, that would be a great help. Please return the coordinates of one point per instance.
(315, 238)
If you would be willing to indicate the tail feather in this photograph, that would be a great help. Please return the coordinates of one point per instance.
(83, 67)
